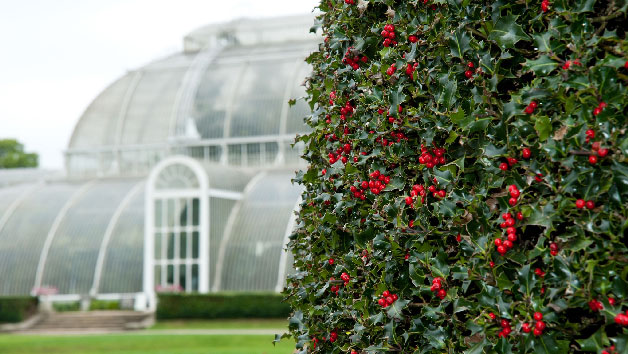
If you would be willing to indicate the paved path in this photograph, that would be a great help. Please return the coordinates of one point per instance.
(163, 332)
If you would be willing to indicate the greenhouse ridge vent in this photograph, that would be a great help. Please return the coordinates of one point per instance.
(177, 176)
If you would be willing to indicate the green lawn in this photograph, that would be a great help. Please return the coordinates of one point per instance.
(223, 324)
(135, 344)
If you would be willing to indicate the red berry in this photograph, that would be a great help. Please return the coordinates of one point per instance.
(504, 323)
(470, 64)
(519, 216)
(601, 153)
(507, 244)
(597, 111)
(395, 297)
(409, 201)
(389, 300)
(526, 153)
(512, 237)
(498, 242)
(592, 159)
(512, 201)
(441, 293)
(590, 204)
(537, 332)
(580, 203)
(331, 261)
(501, 250)
(491, 315)
(538, 316)
(595, 146)
(413, 39)
(503, 166)
(590, 133)
(468, 74)
(540, 325)
(533, 104)
(491, 263)
(441, 193)
(526, 327)
(386, 293)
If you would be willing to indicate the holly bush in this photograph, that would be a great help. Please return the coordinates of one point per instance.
(467, 188)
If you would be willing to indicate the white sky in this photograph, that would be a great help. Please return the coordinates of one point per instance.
(56, 56)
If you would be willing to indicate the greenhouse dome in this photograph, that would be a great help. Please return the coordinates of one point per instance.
(178, 176)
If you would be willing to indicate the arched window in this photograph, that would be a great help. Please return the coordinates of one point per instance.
(176, 239)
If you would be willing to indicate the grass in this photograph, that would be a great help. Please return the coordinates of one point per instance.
(140, 344)
(223, 324)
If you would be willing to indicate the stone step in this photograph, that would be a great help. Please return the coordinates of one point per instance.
(89, 321)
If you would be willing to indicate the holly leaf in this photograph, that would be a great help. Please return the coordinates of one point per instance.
(543, 41)
(526, 280)
(459, 43)
(595, 343)
(541, 66)
(507, 32)
(543, 127)
(394, 310)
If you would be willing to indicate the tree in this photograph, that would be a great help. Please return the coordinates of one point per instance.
(12, 155)
(467, 188)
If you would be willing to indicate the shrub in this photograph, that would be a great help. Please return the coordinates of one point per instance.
(221, 305)
(467, 188)
(17, 309)
(104, 305)
(66, 306)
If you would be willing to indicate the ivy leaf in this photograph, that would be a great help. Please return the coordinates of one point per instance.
(541, 66)
(507, 32)
(543, 127)
(459, 43)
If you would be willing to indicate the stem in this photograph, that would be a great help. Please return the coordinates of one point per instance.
(606, 18)
(581, 152)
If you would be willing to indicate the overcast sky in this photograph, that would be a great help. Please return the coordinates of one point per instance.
(56, 56)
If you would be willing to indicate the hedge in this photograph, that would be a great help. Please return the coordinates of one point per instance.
(221, 305)
(17, 309)
(467, 187)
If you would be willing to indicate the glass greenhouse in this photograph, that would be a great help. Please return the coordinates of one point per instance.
(177, 176)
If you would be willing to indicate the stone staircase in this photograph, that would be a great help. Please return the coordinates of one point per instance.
(81, 322)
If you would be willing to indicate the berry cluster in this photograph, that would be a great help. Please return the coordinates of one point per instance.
(391, 70)
(387, 299)
(469, 73)
(350, 2)
(514, 194)
(544, 5)
(345, 277)
(436, 193)
(333, 336)
(433, 158)
(410, 68)
(531, 107)
(376, 185)
(506, 329)
(553, 249)
(388, 33)
(334, 288)
(539, 326)
(595, 305)
(417, 190)
(609, 350)
(398, 136)
(600, 107)
(340, 154)
(580, 203)
(437, 288)
(569, 63)
(622, 319)
(511, 231)
(353, 61)
(347, 110)
(511, 162)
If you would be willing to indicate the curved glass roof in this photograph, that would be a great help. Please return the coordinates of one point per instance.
(237, 92)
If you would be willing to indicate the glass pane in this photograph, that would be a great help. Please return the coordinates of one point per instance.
(195, 245)
(194, 277)
(170, 277)
(158, 213)
(157, 276)
(171, 212)
(182, 276)
(182, 245)
(195, 209)
(170, 246)
(158, 238)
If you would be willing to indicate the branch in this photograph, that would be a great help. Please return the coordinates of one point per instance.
(580, 152)
(606, 18)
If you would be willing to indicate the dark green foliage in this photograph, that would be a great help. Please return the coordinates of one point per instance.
(104, 305)
(569, 60)
(17, 309)
(12, 155)
(221, 305)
